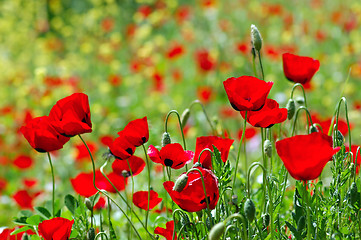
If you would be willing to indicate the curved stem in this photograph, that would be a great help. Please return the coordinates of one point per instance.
(227, 229)
(180, 125)
(174, 220)
(303, 91)
(309, 119)
(243, 219)
(148, 168)
(308, 212)
(206, 149)
(205, 114)
(53, 181)
(254, 62)
(239, 152)
(100, 234)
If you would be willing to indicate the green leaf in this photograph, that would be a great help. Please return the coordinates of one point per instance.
(293, 230)
(20, 230)
(34, 220)
(71, 203)
(43, 212)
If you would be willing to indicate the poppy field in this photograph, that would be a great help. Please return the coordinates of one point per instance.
(166, 119)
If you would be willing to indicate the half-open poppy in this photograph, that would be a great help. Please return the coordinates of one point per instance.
(171, 155)
(56, 228)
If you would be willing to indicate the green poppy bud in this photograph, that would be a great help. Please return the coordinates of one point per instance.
(25, 237)
(339, 139)
(267, 146)
(185, 116)
(197, 164)
(166, 139)
(300, 100)
(217, 231)
(291, 108)
(313, 128)
(91, 234)
(266, 219)
(88, 204)
(353, 193)
(249, 209)
(256, 38)
(301, 223)
(180, 183)
(125, 173)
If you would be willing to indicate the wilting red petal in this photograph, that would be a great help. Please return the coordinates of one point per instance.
(305, 156)
(299, 69)
(23, 162)
(166, 232)
(55, 229)
(222, 144)
(267, 116)
(140, 199)
(137, 165)
(192, 197)
(82, 151)
(247, 93)
(171, 155)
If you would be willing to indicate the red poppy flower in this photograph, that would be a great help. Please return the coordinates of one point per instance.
(205, 61)
(166, 232)
(136, 164)
(354, 151)
(140, 199)
(305, 156)
(299, 69)
(101, 204)
(120, 148)
(192, 198)
(247, 93)
(267, 116)
(6, 234)
(71, 115)
(171, 155)
(25, 199)
(42, 136)
(56, 228)
(83, 183)
(106, 140)
(23, 162)
(136, 132)
(222, 144)
(82, 152)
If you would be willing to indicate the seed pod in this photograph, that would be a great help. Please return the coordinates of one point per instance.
(249, 209)
(266, 219)
(256, 38)
(291, 108)
(301, 223)
(267, 146)
(88, 204)
(313, 128)
(353, 193)
(166, 139)
(185, 116)
(91, 234)
(180, 183)
(217, 231)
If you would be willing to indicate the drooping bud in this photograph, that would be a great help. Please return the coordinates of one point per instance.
(267, 146)
(291, 108)
(88, 204)
(217, 231)
(125, 173)
(185, 116)
(249, 209)
(339, 139)
(256, 38)
(234, 200)
(300, 100)
(91, 234)
(313, 128)
(197, 164)
(180, 183)
(166, 139)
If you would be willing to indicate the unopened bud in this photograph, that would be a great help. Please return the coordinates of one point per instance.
(291, 108)
(313, 128)
(91, 234)
(266, 219)
(301, 223)
(185, 116)
(339, 139)
(234, 200)
(125, 173)
(166, 139)
(249, 209)
(180, 183)
(267, 146)
(353, 193)
(88, 204)
(25, 237)
(217, 231)
(300, 100)
(197, 164)
(256, 38)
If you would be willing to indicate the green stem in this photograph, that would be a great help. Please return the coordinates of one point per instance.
(303, 91)
(148, 168)
(131, 197)
(239, 153)
(180, 125)
(308, 212)
(205, 114)
(53, 181)
(260, 63)
(206, 149)
(309, 120)
(254, 62)
(101, 234)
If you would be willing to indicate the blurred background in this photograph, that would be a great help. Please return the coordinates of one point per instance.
(137, 58)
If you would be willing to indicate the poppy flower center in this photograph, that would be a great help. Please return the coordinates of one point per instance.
(144, 139)
(129, 150)
(168, 162)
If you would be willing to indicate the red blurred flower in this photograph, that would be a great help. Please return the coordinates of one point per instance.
(6, 234)
(71, 115)
(192, 198)
(166, 232)
(83, 183)
(299, 69)
(354, 151)
(55, 229)
(305, 156)
(171, 155)
(136, 132)
(145, 10)
(82, 152)
(182, 13)
(23, 162)
(114, 80)
(3, 184)
(244, 47)
(30, 182)
(140, 199)
(106, 140)
(101, 204)
(247, 93)
(205, 94)
(204, 61)
(326, 124)
(107, 24)
(267, 116)
(250, 133)
(175, 51)
(42, 136)
(222, 144)
(158, 81)
(53, 81)
(120, 148)
(136, 164)
(25, 199)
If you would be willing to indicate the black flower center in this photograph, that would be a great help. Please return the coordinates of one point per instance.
(168, 162)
